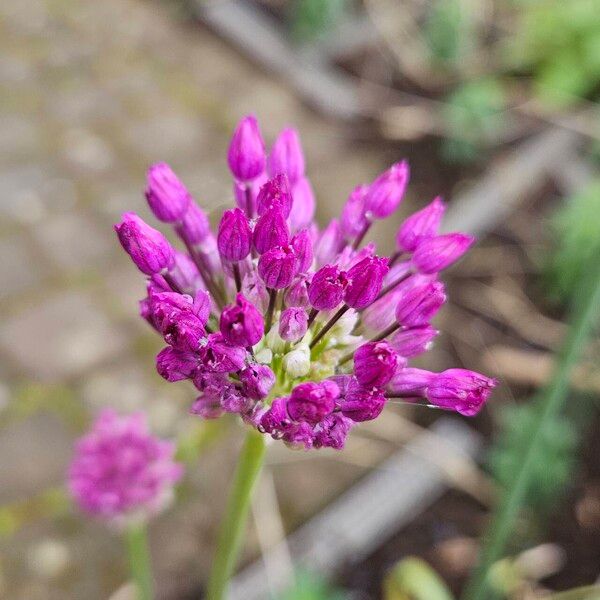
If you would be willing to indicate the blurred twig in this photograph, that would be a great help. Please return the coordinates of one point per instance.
(458, 468)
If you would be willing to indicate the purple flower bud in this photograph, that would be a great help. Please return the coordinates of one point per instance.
(148, 248)
(365, 280)
(276, 192)
(241, 323)
(410, 381)
(174, 365)
(207, 407)
(303, 207)
(257, 381)
(380, 315)
(414, 341)
(166, 195)
(219, 356)
(277, 267)
(194, 226)
(460, 390)
(297, 293)
(255, 290)
(311, 401)
(276, 418)
(435, 254)
(184, 331)
(375, 364)
(302, 245)
(287, 156)
(419, 304)
(332, 431)
(271, 230)
(329, 244)
(354, 219)
(185, 273)
(293, 324)
(246, 155)
(326, 290)
(234, 237)
(422, 224)
(233, 400)
(299, 436)
(343, 382)
(202, 305)
(246, 193)
(362, 404)
(385, 193)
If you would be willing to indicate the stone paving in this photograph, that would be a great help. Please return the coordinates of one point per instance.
(92, 92)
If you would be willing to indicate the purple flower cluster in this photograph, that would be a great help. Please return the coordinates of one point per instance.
(120, 471)
(302, 332)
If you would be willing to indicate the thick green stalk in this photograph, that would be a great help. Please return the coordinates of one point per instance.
(584, 310)
(139, 560)
(234, 522)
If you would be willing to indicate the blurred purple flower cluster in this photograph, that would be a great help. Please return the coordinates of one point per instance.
(301, 331)
(122, 473)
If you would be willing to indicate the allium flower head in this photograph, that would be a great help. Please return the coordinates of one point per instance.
(120, 471)
(302, 331)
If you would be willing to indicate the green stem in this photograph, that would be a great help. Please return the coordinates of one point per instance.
(233, 525)
(551, 401)
(139, 560)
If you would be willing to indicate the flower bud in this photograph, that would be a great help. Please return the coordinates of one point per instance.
(276, 418)
(414, 341)
(207, 407)
(257, 381)
(362, 404)
(354, 218)
(375, 363)
(246, 154)
(365, 280)
(275, 192)
(297, 293)
(234, 237)
(419, 304)
(311, 401)
(385, 194)
(302, 245)
(293, 324)
(194, 227)
(410, 381)
(460, 390)
(148, 248)
(332, 431)
(277, 267)
(218, 356)
(422, 224)
(185, 273)
(326, 289)
(271, 230)
(329, 244)
(303, 206)
(297, 362)
(202, 305)
(437, 253)
(183, 330)
(174, 365)
(255, 290)
(241, 323)
(246, 193)
(166, 195)
(287, 156)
